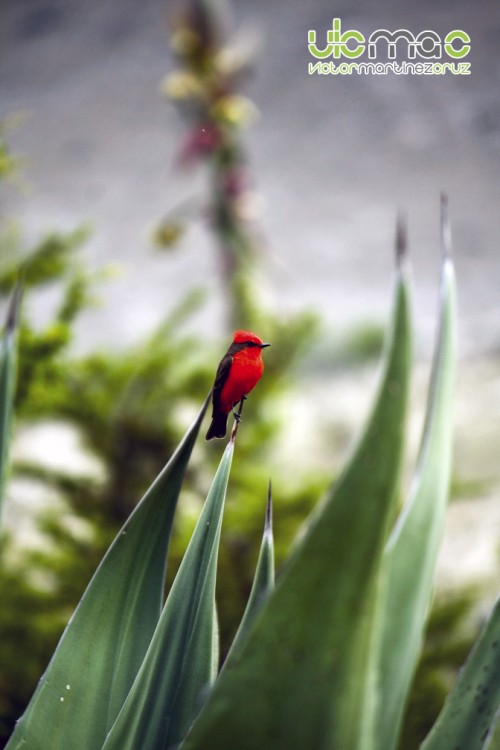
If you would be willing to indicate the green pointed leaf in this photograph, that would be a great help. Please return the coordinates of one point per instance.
(8, 366)
(263, 584)
(471, 706)
(411, 554)
(104, 643)
(178, 668)
(300, 679)
(492, 741)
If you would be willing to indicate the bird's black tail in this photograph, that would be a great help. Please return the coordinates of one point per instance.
(218, 426)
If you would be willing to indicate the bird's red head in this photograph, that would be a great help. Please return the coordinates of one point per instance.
(241, 337)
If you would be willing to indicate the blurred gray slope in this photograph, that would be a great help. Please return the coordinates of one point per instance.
(333, 156)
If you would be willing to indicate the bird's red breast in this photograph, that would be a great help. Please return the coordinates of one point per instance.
(246, 371)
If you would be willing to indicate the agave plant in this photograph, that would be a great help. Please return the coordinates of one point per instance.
(8, 364)
(324, 659)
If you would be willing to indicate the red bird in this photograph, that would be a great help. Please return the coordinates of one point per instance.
(239, 371)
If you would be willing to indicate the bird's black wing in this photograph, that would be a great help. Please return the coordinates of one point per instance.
(220, 378)
(218, 425)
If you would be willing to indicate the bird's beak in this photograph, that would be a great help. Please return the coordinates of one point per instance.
(263, 346)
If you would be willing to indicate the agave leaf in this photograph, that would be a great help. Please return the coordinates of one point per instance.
(411, 553)
(299, 681)
(470, 708)
(263, 583)
(101, 650)
(8, 366)
(177, 670)
(492, 741)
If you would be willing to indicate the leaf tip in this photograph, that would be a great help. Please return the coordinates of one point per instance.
(268, 526)
(446, 244)
(401, 242)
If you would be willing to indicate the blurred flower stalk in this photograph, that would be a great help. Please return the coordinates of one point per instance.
(206, 90)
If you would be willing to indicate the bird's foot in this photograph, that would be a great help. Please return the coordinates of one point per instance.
(237, 414)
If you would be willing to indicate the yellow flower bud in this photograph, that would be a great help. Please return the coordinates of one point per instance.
(184, 41)
(181, 85)
(236, 111)
(168, 234)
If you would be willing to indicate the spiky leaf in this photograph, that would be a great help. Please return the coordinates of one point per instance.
(411, 554)
(177, 671)
(102, 648)
(8, 366)
(470, 709)
(300, 680)
(263, 583)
